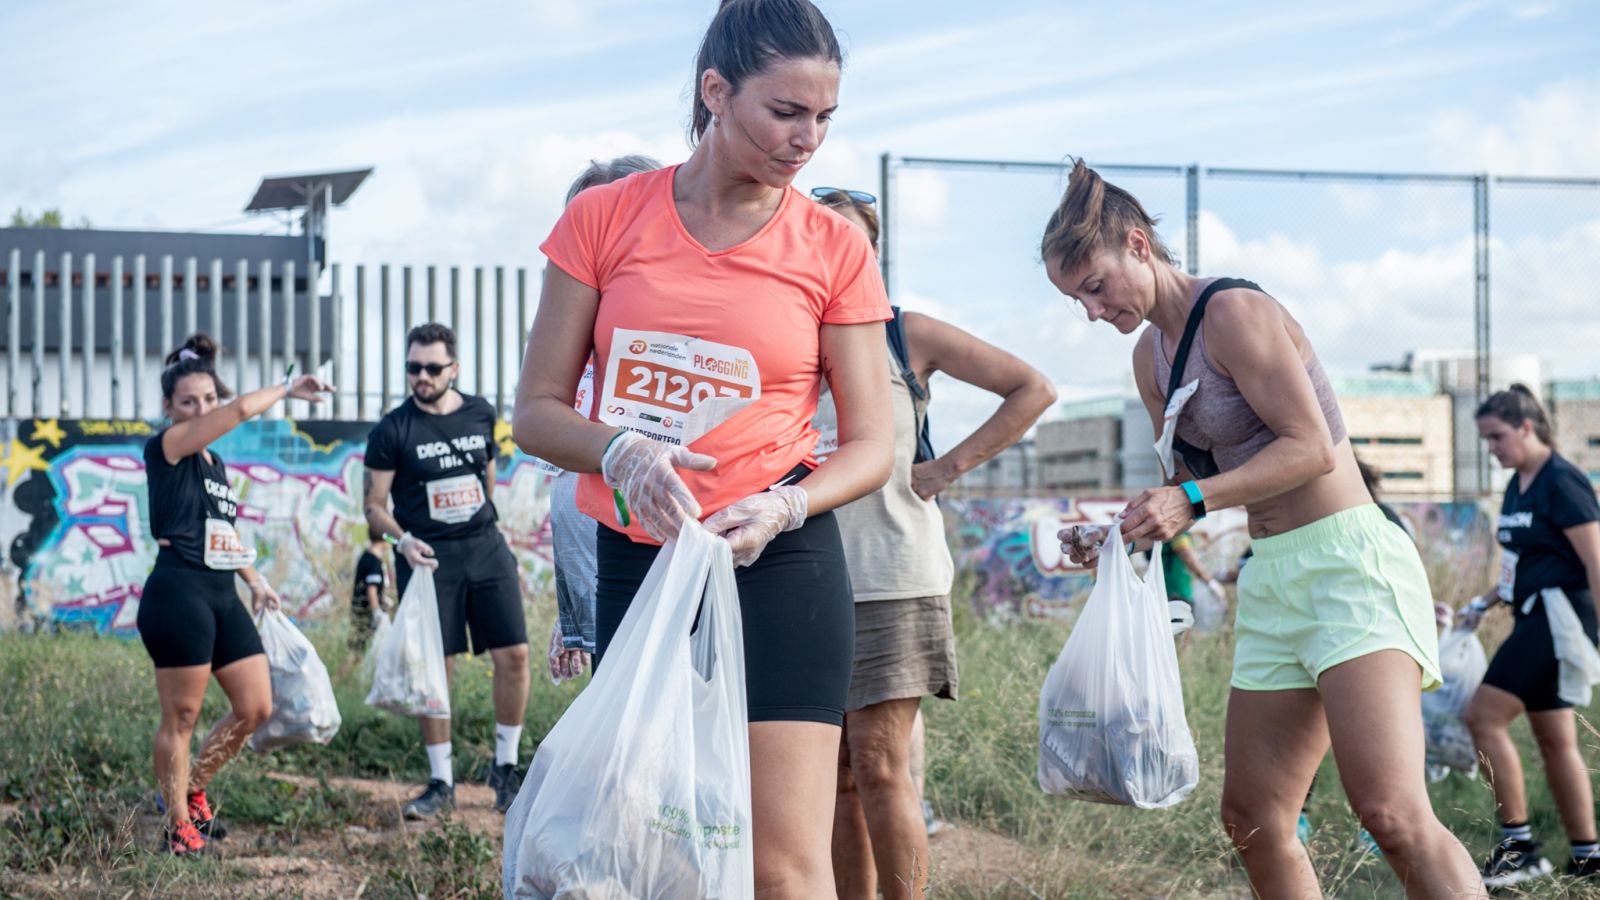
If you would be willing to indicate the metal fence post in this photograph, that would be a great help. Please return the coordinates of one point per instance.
(477, 331)
(314, 332)
(407, 310)
(433, 293)
(167, 340)
(264, 329)
(1481, 346)
(885, 239)
(13, 328)
(64, 340)
(191, 298)
(290, 297)
(361, 341)
(499, 337)
(88, 334)
(522, 318)
(37, 359)
(214, 326)
(116, 336)
(336, 339)
(242, 290)
(385, 317)
(1191, 218)
(141, 329)
(455, 298)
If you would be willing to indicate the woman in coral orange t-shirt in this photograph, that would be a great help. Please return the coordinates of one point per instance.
(715, 298)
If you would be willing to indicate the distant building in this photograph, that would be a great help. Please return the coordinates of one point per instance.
(1574, 407)
(1403, 426)
(1080, 450)
(1012, 471)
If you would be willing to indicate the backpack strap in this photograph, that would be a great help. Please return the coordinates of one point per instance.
(895, 330)
(1180, 359)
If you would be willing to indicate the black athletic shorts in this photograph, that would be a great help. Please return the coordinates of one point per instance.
(1526, 664)
(799, 618)
(190, 616)
(478, 592)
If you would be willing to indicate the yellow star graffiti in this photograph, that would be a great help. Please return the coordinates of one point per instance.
(502, 437)
(21, 459)
(48, 430)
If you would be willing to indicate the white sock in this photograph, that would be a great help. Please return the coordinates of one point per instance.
(506, 738)
(439, 762)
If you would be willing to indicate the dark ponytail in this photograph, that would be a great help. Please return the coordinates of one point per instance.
(198, 355)
(1516, 405)
(745, 37)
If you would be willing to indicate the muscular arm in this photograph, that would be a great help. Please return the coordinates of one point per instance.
(936, 346)
(852, 361)
(380, 521)
(1249, 336)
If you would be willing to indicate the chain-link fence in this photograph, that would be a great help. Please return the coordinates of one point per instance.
(1421, 292)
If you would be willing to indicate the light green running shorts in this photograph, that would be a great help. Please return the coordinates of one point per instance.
(1326, 593)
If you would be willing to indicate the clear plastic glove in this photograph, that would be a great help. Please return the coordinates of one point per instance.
(1215, 587)
(1081, 543)
(417, 552)
(262, 596)
(645, 471)
(750, 524)
(565, 664)
(1182, 616)
(309, 388)
(1469, 617)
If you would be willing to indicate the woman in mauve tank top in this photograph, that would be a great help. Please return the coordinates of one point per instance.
(1334, 637)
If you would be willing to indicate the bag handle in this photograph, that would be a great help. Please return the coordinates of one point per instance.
(1180, 359)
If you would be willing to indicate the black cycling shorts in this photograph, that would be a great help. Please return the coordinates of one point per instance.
(478, 592)
(799, 618)
(190, 616)
(1526, 665)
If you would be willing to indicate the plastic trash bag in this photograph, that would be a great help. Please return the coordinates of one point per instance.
(409, 677)
(642, 789)
(382, 624)
(303, 707)
(1111, 720)
(1449, 744)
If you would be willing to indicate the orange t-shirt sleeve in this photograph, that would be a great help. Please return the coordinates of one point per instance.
(858, 292)
(575, 245)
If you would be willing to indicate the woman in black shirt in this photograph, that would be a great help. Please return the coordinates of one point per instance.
(190, 618)
(1549, 529)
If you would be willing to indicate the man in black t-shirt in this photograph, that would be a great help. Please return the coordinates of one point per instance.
(434, 455)
(367, 597)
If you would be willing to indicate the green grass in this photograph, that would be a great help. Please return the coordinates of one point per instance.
(78, 715)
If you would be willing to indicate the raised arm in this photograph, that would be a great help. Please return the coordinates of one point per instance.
(936, 346)
(190, 436)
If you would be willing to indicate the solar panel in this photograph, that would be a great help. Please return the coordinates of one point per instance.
(292, 191)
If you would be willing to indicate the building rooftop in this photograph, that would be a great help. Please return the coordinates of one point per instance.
(1383, 385)
(1575, 389)
(1099, 407)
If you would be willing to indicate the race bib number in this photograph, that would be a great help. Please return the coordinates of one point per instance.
(1508, 576)
(223, 547)
(455, 500)
(674, 388)
(826, 422)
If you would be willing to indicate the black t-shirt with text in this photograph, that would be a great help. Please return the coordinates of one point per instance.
(369, 572)
(184, 496)
(440, 465)
(1532, 523)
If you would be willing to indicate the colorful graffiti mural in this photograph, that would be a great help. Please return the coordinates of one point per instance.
(74, 514)
(1009, 551)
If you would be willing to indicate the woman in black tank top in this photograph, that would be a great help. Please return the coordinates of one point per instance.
(190, 618)
(1334, 624)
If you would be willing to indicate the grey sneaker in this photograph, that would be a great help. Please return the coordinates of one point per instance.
(1514, 862)
(436, 798)
(506, 781)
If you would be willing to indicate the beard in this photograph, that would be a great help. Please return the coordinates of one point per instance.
(430, 393)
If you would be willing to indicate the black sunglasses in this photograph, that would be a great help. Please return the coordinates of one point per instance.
(828, 193)
(433, 369)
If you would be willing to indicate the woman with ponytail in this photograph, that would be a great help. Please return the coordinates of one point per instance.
(1335, 634)
(1549, 531)
(190, 618)
(715, 298)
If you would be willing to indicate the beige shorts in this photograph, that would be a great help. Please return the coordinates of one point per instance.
(904, 648)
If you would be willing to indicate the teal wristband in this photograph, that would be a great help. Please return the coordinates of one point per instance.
(1197, 502)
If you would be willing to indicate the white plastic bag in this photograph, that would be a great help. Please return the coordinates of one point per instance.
(382, 624)
(1449, 743)
(1111, 721)
(409, 678)
(303, 707)
(642, 789)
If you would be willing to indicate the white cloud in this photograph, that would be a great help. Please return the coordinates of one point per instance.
(1555, 131)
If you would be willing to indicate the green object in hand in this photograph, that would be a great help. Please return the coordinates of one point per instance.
(622, 508)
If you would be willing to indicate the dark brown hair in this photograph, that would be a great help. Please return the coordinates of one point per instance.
(1095, 215)
(1516, 405)
(867, 211)
(433, 333)
(197, 356)
(746, 36)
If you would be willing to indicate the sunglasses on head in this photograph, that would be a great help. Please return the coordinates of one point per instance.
(828, 193)
(433, 369)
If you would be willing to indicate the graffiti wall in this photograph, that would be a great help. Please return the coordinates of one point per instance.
(74, 514)
(1008, 550)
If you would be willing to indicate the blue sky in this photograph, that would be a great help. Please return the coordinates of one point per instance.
(477, 115)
